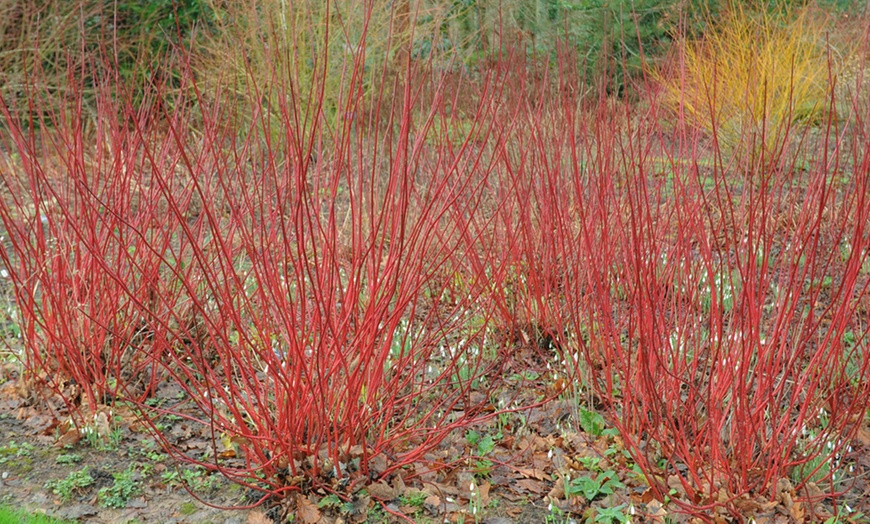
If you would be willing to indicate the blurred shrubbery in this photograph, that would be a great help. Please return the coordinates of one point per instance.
(756, 71)
(230, 39)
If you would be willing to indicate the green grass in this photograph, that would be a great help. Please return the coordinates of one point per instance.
(13, 516)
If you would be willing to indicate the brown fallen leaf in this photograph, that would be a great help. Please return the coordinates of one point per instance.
(378, 464)
(532, 473)
(460, 516)
(101, 424)
(532, 486)
(655, 510)
(533, 443)
(399, 484)
(306, 511)
(239, 440)
(784, 485)
(558, 491)
(433, 502)
(359, 510)
(814, 491)
(786, 499)
(483, 492)
(465, 482)
(381, 491)
(258, 517)
(797, 512)
(675, 483)
(647, 496)
(69, 438)
(356, 451)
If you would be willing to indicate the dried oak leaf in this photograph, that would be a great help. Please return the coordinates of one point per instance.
(558, 491)
(483, 492)
(258, 517)
(69, 438)
(655, 510)
(532, 473)
(359, 510)
(381, 491)
(797, 512)
(378, 464)
(532, 486)
(306, 511)
(227, 454)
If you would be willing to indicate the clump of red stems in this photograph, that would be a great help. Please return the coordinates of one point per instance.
(297, 281)
(322, 291)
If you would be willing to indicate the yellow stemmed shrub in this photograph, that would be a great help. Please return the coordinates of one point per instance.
(752, 72)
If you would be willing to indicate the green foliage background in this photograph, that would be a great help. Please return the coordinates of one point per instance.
(613, 37)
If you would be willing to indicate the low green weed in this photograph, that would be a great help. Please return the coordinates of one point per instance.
(484, 444)
(590, 488)
(73, 485)
(125, 486)
(593, 423)
(68, 458)
(612, 515)
(14, 450)
(198, 479)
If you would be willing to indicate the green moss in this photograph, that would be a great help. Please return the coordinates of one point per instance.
(188, 508)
